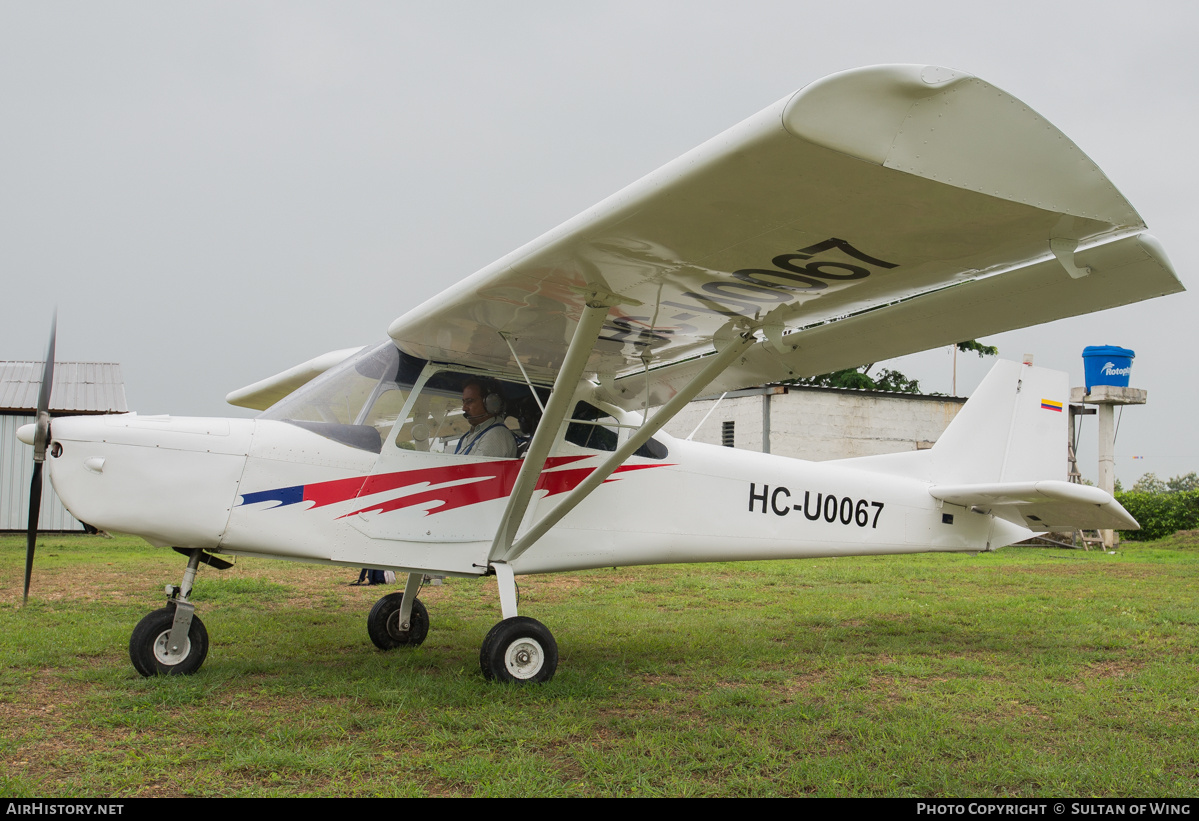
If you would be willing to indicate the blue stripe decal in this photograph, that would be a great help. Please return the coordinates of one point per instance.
(283, 495)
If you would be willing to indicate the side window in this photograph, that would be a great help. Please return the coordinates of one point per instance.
(591, 428)
(653, 449)
(436, 421)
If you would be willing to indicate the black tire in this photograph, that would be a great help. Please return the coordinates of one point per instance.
(383, 623)
(520, 650)
(147, 645)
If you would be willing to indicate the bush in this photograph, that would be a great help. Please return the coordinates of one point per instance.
(1160, 514)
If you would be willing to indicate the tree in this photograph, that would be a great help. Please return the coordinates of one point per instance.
(1149, 483)
(856, 378)
(887, 379)
(979, 348)
(1180, 484)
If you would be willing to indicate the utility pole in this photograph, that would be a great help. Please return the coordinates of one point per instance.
(1107, 397)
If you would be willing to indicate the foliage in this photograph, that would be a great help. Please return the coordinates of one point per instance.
(887, 379)
(1160, 514)
(1183, 483)
(979, 348)
(1161, 507)
(1149, 483)
(848, 378)
(860, 379)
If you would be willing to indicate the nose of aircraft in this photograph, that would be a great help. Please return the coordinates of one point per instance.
(26, 433)
(171, 480)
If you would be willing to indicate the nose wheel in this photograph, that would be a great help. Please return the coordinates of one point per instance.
(154, 653)
(172, 641)
(388, 627)
(399, 619)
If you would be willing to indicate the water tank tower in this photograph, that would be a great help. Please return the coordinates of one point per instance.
(1108, 369)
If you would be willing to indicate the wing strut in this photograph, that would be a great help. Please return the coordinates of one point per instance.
(582, 344)
(731, 350)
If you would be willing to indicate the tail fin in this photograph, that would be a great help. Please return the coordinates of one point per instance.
(1005, 454)
(1013, 429)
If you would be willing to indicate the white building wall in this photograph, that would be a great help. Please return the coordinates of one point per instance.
(821, 423)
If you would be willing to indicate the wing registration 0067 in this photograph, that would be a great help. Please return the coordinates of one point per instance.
(873, 213)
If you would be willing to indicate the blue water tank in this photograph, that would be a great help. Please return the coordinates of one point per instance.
(1107, 365)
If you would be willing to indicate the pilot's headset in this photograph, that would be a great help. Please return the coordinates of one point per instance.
(493, 400)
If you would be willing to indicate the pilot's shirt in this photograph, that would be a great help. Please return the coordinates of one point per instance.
(488, 438)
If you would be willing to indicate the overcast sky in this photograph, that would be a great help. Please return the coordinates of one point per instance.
(213, 192)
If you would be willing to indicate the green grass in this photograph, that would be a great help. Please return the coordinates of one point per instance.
(1028, 672)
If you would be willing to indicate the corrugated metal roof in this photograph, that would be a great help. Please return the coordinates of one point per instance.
(79, 387)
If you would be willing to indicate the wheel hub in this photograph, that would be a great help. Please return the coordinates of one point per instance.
(168, 655)
(524, 658)
(394, 628)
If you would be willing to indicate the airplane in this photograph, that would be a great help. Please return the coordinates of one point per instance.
(873, 213)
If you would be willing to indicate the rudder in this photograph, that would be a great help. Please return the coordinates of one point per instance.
(1013, 429)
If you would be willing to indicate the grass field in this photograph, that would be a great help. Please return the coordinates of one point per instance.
(1028, 672)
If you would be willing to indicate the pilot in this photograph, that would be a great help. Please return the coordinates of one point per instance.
(483, 407)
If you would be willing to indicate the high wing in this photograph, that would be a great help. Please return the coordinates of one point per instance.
(873, 213)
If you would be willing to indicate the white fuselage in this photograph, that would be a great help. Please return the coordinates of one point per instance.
(269, 488)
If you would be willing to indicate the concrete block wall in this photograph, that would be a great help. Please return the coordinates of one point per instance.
(819, 424)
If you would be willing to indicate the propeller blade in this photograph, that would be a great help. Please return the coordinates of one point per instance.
(35, 509)
(40, 441)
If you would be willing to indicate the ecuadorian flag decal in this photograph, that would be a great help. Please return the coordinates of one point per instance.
(1049, 404)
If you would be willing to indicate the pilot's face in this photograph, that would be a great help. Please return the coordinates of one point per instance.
(472, 404)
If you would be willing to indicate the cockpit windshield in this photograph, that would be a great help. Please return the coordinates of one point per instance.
(355, 403)
(359, 403)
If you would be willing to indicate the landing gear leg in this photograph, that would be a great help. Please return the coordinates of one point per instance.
(518, 649)
(172, 641)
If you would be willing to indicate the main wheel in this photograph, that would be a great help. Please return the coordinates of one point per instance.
(383, 623)
(520, 650)
(149, 650)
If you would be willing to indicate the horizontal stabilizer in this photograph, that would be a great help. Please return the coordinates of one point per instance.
(1042, 506)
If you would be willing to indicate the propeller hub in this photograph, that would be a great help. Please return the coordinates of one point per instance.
(41, 436)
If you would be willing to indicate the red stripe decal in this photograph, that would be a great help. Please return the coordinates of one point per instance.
(452, 486)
